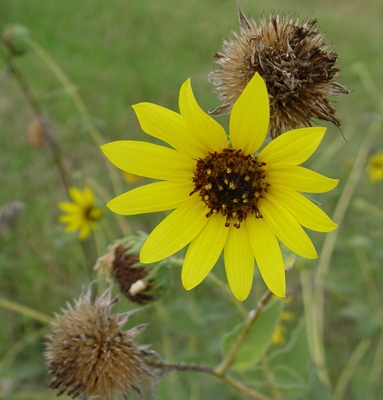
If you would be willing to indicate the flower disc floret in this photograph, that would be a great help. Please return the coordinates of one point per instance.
(230, 183)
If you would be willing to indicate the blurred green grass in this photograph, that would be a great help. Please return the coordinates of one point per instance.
(118, 53)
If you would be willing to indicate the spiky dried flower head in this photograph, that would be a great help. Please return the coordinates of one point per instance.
(140, 283)
(89, 355)
(294, 61)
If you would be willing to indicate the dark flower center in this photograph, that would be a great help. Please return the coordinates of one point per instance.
(230, 183)
(92, 214)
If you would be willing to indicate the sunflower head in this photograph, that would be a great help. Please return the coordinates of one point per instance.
(88, 353)
(229, 195)
(81, 214)
(292, 58)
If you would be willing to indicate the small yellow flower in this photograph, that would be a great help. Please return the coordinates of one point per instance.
(81, 214)
(375, 167)
(225, 196)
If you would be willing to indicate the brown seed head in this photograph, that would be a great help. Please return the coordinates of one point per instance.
(88, 354)
(140, 283)
(292, 58)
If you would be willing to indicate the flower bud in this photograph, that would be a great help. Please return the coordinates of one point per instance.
(16, 38)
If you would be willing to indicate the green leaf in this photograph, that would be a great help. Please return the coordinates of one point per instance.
(259, 338)
(290, 365)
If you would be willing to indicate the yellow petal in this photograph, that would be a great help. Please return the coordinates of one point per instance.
(267, 255)
(69, 219)
(305, 211)
(149, 160)
(286, 228)
(293, 147)
(71, 228)
(68, 207)
(76, 195)
(204, 251)
(168, 126)
(84, 231)
(202, 128)
(249, 120)
(177, 230)
(88, 196)
(158, 196)
(298, 178)
(239, 262)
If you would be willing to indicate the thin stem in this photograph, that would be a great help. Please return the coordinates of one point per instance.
(317, 310)
(350, 369)
(377, 366)
(77, 101)
(277, 394)
(311, 324)
(181, 367)
(226, 362)
(38, 111)
(85, 116)
(233, 383)
(239, 386)
(369, 282)
(24, 310)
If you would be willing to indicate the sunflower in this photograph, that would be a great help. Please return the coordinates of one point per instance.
(81, 214)
(226, 196)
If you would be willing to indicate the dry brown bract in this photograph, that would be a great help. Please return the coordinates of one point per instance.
(295, 63)
(88, 354)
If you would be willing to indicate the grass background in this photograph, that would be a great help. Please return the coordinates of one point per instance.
(118, 53)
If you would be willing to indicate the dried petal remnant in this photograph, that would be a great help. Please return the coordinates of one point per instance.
(292, 58)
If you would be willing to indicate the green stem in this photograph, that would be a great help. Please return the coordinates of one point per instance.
(369, 282)
(317, 310)
(350, 368)
(377, 366)
(38, 111)
(240, 387)
(233, 383)
(24, 310)
(226, 362)
(85, 116)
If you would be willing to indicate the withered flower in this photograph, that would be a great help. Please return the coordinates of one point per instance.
(140, 283)
(292, 58)
(89, 355)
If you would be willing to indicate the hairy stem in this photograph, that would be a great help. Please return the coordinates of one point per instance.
(226, 362)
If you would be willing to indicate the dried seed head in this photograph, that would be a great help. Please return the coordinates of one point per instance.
(140, 283)
(88, 354)
(297, 66)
